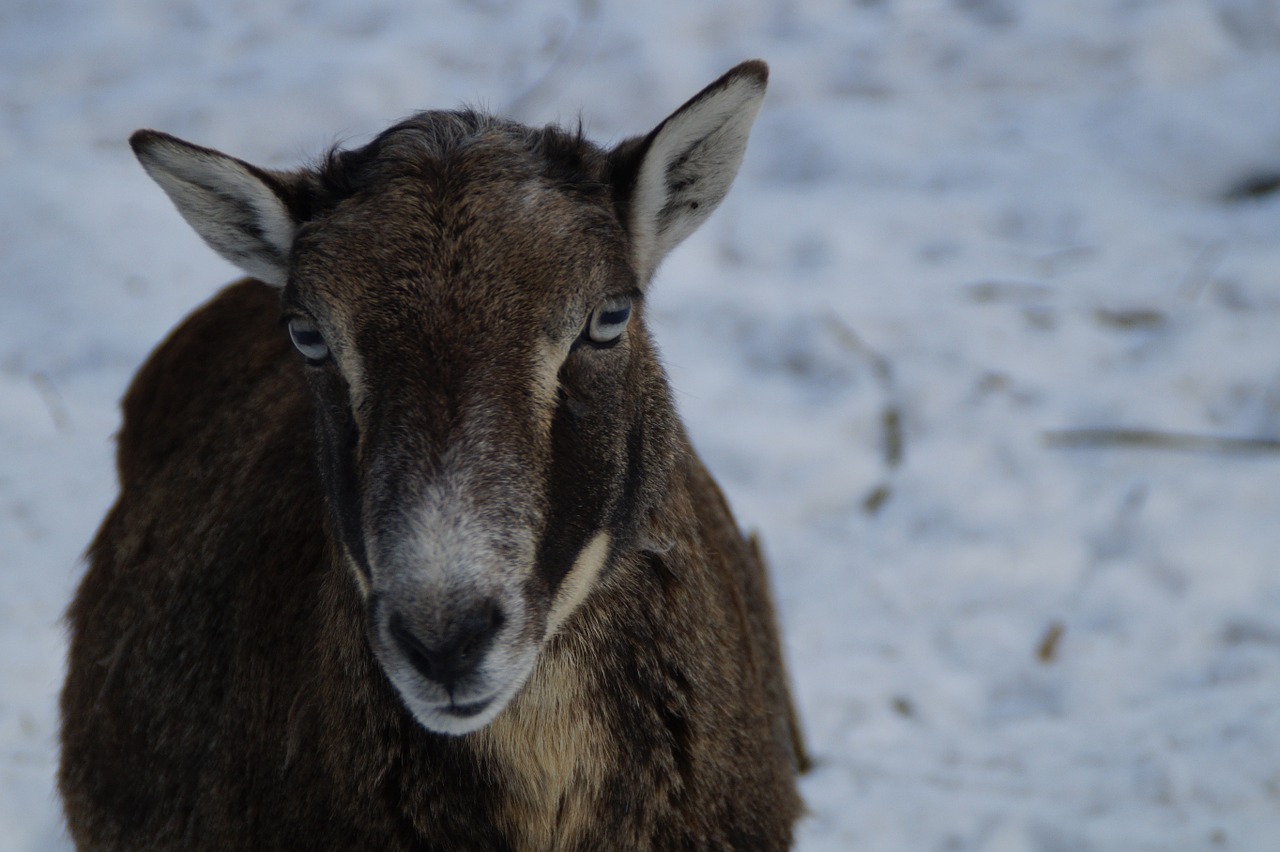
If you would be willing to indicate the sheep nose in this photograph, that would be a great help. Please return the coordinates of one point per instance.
(450, 655)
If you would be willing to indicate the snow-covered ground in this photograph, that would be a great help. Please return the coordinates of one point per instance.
(962, 227)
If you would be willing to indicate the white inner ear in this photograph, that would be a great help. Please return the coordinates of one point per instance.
(688, 167)
(237, 214)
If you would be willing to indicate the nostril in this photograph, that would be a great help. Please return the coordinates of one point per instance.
(423, 658)
(453, 653)
(474, 633)
(480, 626)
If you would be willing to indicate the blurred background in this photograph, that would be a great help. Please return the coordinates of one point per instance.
(985, 342)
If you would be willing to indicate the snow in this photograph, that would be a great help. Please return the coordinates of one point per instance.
(961, 225)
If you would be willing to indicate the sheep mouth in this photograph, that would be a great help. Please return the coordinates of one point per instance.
(467, 710)
(466, 707)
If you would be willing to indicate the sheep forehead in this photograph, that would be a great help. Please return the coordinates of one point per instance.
(494, 252)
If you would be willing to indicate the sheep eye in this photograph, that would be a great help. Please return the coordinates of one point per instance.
(308, 340)
(609, 321)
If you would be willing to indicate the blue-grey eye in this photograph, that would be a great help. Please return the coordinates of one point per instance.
(609, 320)
(308, 340)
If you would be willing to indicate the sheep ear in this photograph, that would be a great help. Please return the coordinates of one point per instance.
(671, 180)
(246, 214)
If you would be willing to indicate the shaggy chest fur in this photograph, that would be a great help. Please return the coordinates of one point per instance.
(553, 752)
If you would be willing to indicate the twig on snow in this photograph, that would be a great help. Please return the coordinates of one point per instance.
(1153, 439)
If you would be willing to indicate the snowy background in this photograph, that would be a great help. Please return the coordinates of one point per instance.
(964, 230)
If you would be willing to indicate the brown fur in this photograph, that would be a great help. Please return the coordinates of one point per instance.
(222, 692)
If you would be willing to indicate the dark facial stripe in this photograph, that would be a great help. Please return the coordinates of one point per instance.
(582, 482)
(623, 516)
(339, 438)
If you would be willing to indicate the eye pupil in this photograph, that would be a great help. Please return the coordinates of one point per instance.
(308, 340)
(609, 321)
